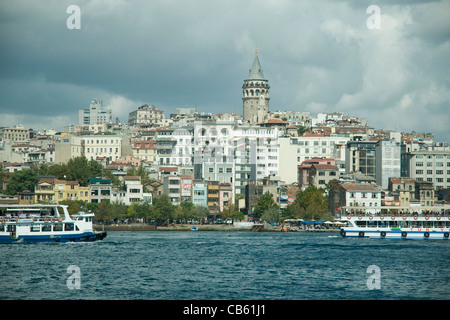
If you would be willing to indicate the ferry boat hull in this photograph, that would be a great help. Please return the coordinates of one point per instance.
(82, 237)
(395, 234)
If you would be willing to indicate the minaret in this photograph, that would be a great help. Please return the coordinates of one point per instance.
(255, 94)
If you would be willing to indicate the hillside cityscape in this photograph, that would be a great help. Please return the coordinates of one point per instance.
(197, 166)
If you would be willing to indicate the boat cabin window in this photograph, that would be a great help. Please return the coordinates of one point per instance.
(2, 228)
(46, 228)
(68, 227)
(35, 228)
(57, 227)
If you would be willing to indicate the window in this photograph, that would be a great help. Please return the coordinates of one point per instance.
(68, 227)
(419, 164)
(419, 171)
(35, 228)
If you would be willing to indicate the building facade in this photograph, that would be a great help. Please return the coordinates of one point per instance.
(95, 114)
(146, 116)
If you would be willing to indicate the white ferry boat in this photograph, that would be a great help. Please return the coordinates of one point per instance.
(396, 222)
(45, 223)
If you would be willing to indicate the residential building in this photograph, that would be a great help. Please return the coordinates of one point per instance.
(317, 171)
(93, 147)
(200, 193)
(100, 189)
(146, 116)
(172, 188)
(17, 133)
(354, 195)
(212, 190)
(294, 150)
(186, 188)
(403, 190)
(145, 150)
(225, 196)
(360, 157)
(429, 165)
(52, 190)
(425, 193)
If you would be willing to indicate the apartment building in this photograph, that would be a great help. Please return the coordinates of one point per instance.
(318, 172)
(93, 147)
(17, 133)
(146, 116)
(294, 151)
(145, 150)
(100, 189)
(354, 195)
(428, 165)
(52, 190)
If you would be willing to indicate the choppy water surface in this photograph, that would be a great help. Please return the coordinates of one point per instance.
(226, 265)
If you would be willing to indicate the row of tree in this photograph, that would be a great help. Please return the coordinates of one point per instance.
(161, 211)
(310, 203)
(77, 169)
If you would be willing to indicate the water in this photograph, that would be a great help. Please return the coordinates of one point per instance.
(226, 266)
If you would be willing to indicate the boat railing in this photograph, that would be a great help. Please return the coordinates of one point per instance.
(15, 219)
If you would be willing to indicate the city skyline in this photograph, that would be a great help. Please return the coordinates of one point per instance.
(318, 57)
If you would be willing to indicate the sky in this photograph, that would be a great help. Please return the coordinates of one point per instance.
(318, 56)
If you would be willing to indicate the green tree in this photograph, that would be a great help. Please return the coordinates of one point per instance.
(200, 213)
(21, 180)
(74, 206)
(301, 130)
(186, 210)
(163, 209)
(103, 211)
(309, 204)
(272, 214)
(264, 203)
(141, 172)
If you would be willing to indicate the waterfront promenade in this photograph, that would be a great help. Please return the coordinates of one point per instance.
(200, 227)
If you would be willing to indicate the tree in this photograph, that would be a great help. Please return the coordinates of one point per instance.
(103, 211)
(201, 213)
(163, 208)
(21, 180)
(301, 130)
(186, 210)
(141, 172)
(73, 206)
(309, 204)
(264, 203)
(272, 214)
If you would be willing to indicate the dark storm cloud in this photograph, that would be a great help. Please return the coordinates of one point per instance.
(319, 56)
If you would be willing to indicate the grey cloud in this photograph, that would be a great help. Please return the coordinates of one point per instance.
(316, 54)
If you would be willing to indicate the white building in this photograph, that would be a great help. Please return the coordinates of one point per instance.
(95, 114)
(387, 162)
(132, 193)
(294, 150)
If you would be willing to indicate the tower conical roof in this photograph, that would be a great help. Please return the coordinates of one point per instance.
(256, 72)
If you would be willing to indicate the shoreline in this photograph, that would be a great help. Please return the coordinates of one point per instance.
(187, 227)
